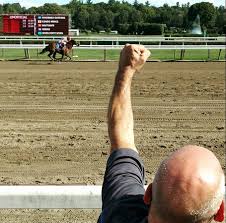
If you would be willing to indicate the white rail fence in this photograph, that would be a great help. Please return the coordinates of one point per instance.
(50, 197)
(117, 42)
(109, 43)
(117, 39)
(110, 47)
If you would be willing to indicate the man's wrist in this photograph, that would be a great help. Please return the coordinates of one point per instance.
(126, 68)
(125, 73)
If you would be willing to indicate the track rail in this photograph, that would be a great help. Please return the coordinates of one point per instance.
(115, 47)
(97, 42)
(50, 197)
(117, 38)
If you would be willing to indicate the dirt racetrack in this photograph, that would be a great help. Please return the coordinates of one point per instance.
(53, 122)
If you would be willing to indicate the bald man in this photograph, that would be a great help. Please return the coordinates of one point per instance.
(189, 184)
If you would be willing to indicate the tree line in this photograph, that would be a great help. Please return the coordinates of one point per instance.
(136, 18)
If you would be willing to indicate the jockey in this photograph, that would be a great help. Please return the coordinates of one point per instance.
(62, 42)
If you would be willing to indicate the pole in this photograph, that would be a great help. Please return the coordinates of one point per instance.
(25, 53)
(28, 54)
(208, 54)
(219, 55)
(105, 54)
(181, 54)
(3, 52)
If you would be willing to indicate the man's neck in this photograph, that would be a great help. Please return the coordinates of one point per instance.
(153, 219)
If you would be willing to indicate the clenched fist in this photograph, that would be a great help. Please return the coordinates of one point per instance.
(133, 57)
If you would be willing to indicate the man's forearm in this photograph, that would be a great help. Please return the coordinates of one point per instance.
(120, 115)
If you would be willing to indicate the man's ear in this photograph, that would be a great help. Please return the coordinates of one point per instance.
(148, 195)
(220, 214)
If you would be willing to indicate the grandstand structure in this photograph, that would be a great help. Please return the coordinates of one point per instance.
(107, 43)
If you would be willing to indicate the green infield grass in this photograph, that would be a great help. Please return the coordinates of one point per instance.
(86, 54)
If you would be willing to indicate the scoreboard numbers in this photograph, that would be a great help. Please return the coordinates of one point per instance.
(35, 25)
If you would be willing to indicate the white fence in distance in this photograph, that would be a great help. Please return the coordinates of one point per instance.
(111, 47)
(110, 42)
(118, 38)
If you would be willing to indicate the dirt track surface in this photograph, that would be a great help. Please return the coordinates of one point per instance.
(53, 122)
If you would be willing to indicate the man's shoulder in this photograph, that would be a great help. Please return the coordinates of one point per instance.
(124, 176)
(124, 153)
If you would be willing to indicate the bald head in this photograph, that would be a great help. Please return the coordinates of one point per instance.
(189, 186)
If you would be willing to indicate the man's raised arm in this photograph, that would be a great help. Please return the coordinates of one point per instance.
(120, 115)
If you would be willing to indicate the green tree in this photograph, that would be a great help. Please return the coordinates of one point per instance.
(83, 18)
(106, 19)
(32, 10)
(166, 15)
(147, 3)
(111, 2)
(13, 8)
(73, 6)
(123, 28)
(89, 2)
(135, 16)
(220, 23)
(1, 9)
(130, 18)
(148, 13)
(52, 9)
(135, 3)
(177, 20)
(206, 11)
(93, 20)
(122, 18)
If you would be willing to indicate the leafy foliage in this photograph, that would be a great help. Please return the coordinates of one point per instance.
(206, 11)
(135, 18)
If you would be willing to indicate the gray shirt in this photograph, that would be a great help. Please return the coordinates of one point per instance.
(123, 189)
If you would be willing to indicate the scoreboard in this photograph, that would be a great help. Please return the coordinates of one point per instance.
(18, 24)
(35, 24)
(51, 25)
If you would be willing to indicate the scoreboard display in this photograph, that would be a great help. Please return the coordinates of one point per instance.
(18, 24)
(35, 24)
(51, 25)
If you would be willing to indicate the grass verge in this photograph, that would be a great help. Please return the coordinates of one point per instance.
(86, 54)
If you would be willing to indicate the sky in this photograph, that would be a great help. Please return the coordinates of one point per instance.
(30, 3)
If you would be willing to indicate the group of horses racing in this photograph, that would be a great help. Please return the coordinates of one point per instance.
(64, 51)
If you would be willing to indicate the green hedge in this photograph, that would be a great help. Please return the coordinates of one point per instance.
(141, 29)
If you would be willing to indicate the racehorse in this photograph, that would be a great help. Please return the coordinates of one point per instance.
(53, 50)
